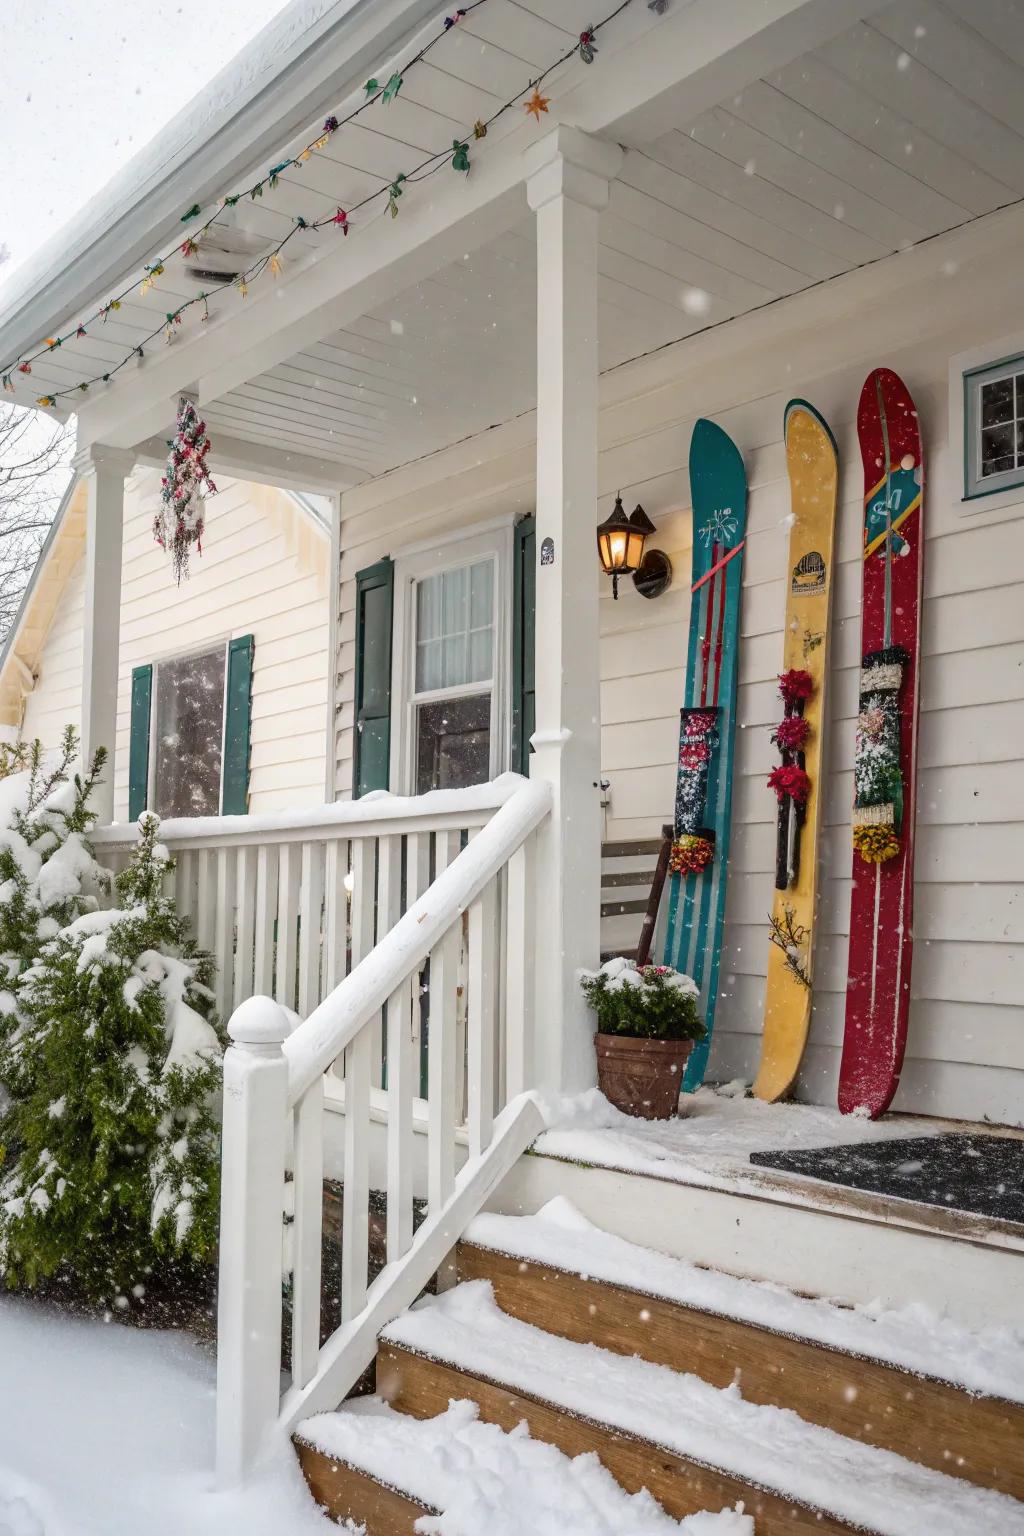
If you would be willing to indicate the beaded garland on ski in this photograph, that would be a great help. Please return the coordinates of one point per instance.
(877, 778)
(693, 847)
(181, 519)
(790, 781)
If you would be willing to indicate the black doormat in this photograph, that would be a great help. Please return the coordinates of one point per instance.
(980, 1174)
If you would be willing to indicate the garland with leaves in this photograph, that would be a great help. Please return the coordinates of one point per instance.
(180, 522)
(457, 157)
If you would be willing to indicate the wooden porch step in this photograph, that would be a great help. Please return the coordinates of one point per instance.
(938, 1425)
(346, 1492)
(419, 1385)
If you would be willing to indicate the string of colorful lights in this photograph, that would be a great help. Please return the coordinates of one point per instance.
(457, 156)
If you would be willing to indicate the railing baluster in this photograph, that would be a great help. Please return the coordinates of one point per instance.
(363, 897)
(206, 895)
(355, 1246)
(311, 896)
(417, 879)
(481, 1019)
(401, 1081)
(184, 887)
(224, 929)
(442, 1083)
(287, 922)
(266, 917)
(519, 971)
(335, 914)
(309, 1175)
(245, 924)
(389, 909)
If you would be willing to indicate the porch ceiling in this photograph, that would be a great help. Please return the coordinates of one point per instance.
(904, 126)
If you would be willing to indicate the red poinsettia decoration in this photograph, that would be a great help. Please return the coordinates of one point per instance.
(795, 686)
(791, 734)
(790, 782)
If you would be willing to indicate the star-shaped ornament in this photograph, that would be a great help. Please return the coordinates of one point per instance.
(537, 103)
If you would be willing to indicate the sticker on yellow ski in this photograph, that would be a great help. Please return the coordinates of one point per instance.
(812, 460)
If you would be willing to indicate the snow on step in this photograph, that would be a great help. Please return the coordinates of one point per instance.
(482, 1479)
(914, 1338)
(770, 1447)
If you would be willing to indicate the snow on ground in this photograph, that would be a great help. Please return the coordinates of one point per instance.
(489, 1483)
(772, 1447)
(990, 1360)
(108, 1431)
(711, 1140)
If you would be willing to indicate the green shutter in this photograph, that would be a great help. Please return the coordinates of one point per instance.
(375, 591)
(138, 745)
(524, 604)
(237, 718)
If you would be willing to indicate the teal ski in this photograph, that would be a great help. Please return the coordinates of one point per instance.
(700, 851)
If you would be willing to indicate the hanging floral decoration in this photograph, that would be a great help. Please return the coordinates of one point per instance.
(693, 846)
(379, 92)
(877, 777)
(789, 780)
(179, 523)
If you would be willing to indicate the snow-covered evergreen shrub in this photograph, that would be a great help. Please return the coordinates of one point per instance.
(648, 1002)
(48, 875)
(116, 1171)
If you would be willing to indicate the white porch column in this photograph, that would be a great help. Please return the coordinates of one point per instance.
(567, 187)
(103, 470)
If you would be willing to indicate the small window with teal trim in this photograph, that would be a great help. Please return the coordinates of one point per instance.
(994, 427)
(190, 732)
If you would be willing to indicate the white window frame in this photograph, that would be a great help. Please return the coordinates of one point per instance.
(495, 544)
(968, 371)
(165, 660)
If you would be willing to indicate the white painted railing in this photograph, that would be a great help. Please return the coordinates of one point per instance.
(288, 904)
(273, 1100)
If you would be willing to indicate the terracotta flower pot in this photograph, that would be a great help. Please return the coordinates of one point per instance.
(641, 1077)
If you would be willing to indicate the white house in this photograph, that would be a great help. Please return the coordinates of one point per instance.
(728, 206)
(254, 607)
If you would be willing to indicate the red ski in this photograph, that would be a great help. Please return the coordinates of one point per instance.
(881, 913)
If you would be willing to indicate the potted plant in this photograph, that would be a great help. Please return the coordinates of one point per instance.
(647, 1022)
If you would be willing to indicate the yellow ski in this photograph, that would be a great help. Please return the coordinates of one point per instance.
(812, 460)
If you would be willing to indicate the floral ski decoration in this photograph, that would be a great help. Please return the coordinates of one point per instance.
(181, 519)
(690, 854)
(694, 845)
(790, 780)
(877, 778)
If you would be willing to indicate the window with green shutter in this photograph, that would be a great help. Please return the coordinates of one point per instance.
(190, 732)
(524, 588)
(237, 727)
(375, 589)
(138, 746)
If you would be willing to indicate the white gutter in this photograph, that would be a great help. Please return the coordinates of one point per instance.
(295, 70)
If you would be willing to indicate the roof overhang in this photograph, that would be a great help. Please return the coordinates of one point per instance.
(315, 52)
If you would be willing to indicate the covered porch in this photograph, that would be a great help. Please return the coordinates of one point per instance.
(456, 359)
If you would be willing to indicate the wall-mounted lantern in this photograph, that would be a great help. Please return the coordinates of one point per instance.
(620, 545)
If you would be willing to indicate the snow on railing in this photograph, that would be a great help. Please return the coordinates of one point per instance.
(289, 903)
(273, 1098)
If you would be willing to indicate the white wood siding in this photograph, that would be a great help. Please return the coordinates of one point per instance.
(966, 1047)
(263, 571)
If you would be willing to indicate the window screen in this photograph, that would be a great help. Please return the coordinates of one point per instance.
(189, 734)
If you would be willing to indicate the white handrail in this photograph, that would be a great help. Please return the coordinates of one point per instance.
(372, 816)
(273, 1095)
(333, 1026)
